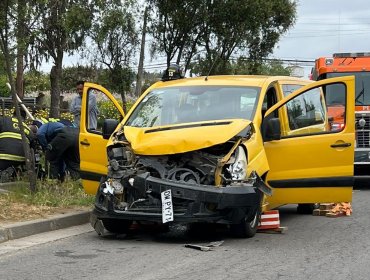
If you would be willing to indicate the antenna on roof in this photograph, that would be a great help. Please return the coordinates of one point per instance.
(213, 64)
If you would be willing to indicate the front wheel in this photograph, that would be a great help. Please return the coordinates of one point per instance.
(246, 229)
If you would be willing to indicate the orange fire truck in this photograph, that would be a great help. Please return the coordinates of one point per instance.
(343, 64)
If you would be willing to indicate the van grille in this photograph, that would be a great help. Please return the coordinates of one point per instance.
(363, 133)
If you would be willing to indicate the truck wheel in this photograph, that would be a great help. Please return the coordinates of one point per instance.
(246, 229)
(117, 226)
(306, 208)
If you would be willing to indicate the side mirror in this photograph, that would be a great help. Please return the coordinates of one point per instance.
(109, 127)
(271, 129)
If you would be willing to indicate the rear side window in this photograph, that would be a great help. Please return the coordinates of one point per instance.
(288, 89)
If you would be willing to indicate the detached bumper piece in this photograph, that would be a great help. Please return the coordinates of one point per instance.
(191, 202)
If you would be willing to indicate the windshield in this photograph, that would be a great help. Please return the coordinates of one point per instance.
(362, 80)
(174, 105)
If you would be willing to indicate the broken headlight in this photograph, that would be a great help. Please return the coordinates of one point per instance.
(238, 169)
(113, 187)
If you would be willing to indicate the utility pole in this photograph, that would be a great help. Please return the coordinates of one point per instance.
(140, 70)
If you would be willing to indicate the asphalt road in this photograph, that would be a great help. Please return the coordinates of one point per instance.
(314, 247)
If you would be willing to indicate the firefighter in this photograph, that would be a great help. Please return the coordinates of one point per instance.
(11, 147)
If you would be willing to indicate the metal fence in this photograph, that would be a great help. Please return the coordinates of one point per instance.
(7, 103)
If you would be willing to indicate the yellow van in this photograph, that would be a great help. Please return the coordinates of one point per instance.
(217, 149)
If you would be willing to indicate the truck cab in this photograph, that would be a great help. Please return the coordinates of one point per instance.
(218, 149)
(356, 64)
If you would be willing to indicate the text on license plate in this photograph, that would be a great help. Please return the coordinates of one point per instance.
(167, 207)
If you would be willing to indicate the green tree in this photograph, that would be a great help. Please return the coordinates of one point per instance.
(36, 81)
(61, 28)
(7, 32)
(4, 90)
(274, 67)
(115, 40)
(243, 66)
(177, 29)
(79, 73)
(218, 30)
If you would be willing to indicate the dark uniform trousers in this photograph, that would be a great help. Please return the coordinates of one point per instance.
(64, 147)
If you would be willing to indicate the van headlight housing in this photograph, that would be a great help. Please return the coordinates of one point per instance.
(238, 169)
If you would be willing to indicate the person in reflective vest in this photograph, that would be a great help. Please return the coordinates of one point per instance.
(11, 147)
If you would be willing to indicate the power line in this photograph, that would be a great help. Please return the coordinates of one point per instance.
(300, 62)
(327, 35)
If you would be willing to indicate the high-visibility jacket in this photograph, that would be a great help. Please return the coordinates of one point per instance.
(11, 147)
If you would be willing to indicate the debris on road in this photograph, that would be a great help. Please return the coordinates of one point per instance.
(323, 209)
(207, 247)
(333, 210)
(340, 209)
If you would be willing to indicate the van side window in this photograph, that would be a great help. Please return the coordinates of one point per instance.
(305, 110)
(307, 114)
(100, 107)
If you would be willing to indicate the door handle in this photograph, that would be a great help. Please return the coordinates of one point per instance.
(341, 145)
(85, 143)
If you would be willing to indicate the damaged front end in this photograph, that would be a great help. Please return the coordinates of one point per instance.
(206, 185)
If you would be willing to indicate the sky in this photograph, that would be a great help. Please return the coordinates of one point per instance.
(323, 27)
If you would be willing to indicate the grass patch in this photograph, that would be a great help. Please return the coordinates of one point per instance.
(50, 193)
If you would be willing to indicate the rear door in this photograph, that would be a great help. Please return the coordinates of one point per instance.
(92, 145)
(311, 163)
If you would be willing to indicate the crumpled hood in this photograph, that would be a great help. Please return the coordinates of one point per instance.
(182, 138)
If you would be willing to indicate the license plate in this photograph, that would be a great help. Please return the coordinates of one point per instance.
(167, 207)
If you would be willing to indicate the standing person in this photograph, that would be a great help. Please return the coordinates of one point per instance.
(75, 107)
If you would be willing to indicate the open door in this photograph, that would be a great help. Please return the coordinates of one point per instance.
(92, 145)
(310, 161)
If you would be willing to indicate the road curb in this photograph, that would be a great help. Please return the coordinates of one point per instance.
(23, 229)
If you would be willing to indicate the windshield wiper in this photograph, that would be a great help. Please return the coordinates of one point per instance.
(187, 126)
(361, 93)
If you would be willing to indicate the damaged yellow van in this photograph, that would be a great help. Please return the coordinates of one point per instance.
(217, 149)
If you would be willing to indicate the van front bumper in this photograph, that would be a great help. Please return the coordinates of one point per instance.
(191, 202)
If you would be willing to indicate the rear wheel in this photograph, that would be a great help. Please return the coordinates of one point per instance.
(246, 229)
(117, 226)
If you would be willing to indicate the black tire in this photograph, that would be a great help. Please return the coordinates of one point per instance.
(117, 226)
(306, 208)
(246, 229)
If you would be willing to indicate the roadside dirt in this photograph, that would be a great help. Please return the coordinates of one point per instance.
(20, 212)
